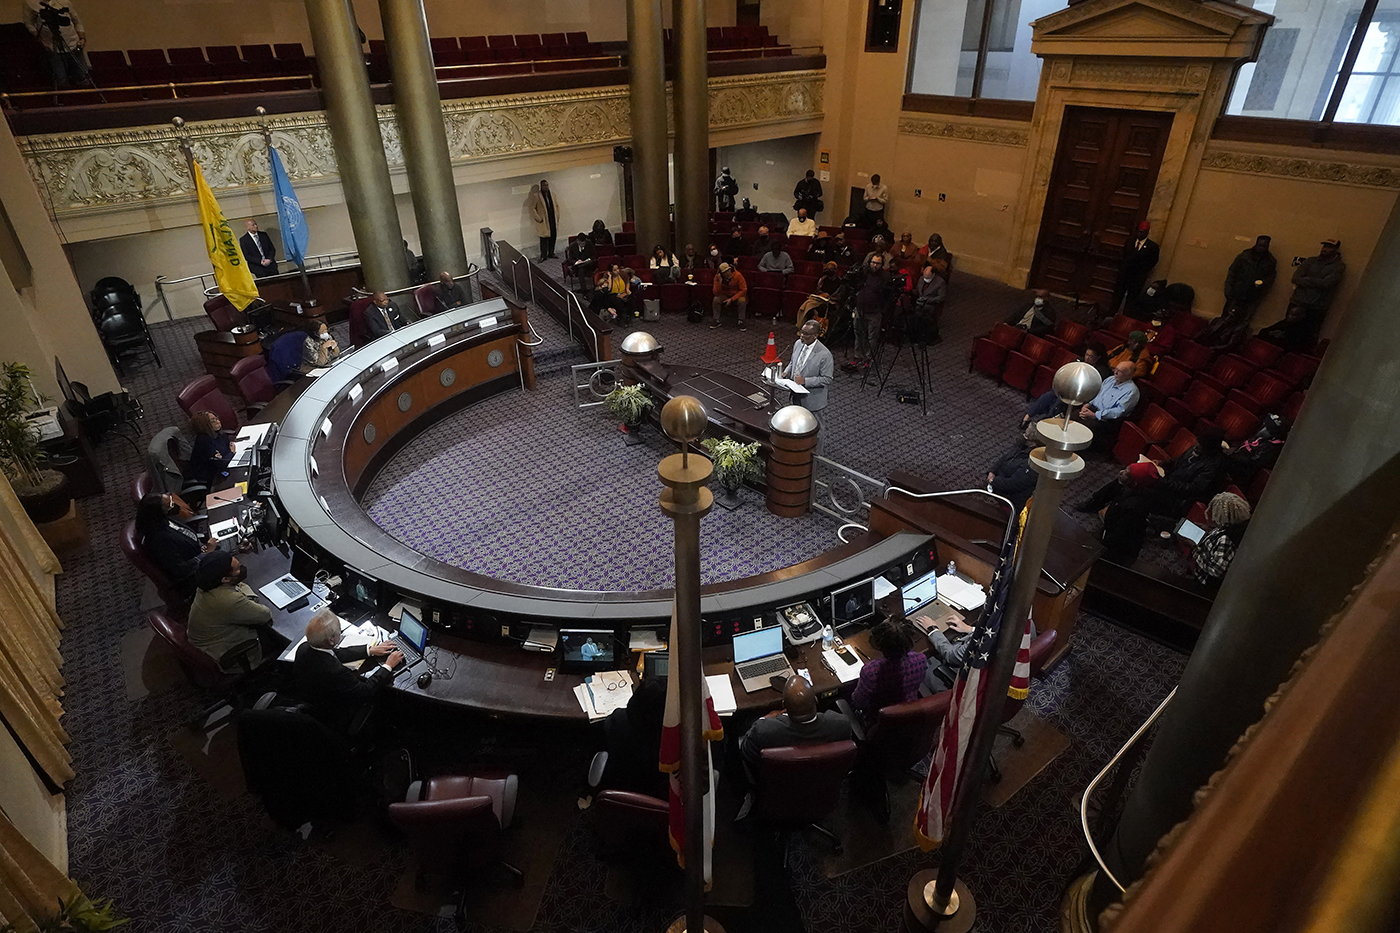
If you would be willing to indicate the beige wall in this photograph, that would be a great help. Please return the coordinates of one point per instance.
(139, 24)
(775, 166)
(38, 815)
(50, 317)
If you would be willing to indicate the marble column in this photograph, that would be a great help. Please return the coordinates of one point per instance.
(359, 149)
(650, 183)
(690, 99)
(419, 111)
(1331, 503)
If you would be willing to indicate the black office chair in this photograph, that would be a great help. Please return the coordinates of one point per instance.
(113, 294)
(124, 333)
(165, 470)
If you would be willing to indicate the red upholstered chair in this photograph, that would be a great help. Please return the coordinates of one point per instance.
(1167, 381)
(799, 785)
(201, 669)
(1121, 325)
(1296, 369)
(792, 303)
(1260, 353)
(1069, 334)
(1255, 489)
(1190, 355)
(359, 336)
(1199, 401)
(456, 824)
(989, 352)
(673, 296)
(254, 383)
(135, 551)
(1293, 406)
(1182, 441)
(631, 826)
(203, 395)
(765, 302)
(423, 299)
(1107, 338)
(1188, 325)
(1021, 364)
(902, 735)
(1237, 422)
(1226, 373)
(223, 314)
(773, 280)
(1154, 427)
(1045, 373)
(806, 284)
(1262, 393)
(141, 486)
(746, 264)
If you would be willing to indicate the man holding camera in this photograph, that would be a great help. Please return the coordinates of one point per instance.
(873, 288)
(57, 26)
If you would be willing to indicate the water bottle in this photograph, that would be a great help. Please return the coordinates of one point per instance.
(952, 569)
(828, 638)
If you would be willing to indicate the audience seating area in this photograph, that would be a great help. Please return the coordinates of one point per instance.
(1191, 385)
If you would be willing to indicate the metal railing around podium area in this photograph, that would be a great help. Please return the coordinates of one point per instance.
(541, 290)
(318, 263)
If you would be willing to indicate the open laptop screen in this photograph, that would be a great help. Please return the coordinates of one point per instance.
(413, 631)
(760, 644)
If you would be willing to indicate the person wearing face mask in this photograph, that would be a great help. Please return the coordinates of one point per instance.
(225, 613)
(1151, 305)
(319, 348)
(1039, 318)
(812, 368)
(713, 258)
(929, 291)
(172, 545)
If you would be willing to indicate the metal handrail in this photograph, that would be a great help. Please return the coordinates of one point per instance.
(1010, 521)
(172, 86)
(840, 531)
(1093, 785)
(568, 295)
(538, 339)
(323, 261)
(359, 292)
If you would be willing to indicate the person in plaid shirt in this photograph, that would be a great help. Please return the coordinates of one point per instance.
(1229, 516)
(893, 678)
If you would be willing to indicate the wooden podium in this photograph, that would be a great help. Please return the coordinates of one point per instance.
(792, 439)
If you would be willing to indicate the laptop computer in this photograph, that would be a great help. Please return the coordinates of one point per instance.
(284, 591)
(758, 656)
(919, 592)
(411, 638)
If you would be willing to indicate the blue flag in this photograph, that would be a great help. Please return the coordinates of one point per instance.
(289, 215)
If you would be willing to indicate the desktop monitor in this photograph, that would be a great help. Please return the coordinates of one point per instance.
(360, 587)
(583, 649)
(64, 385)
(854, 603)
(304, 564)
(656, 664)
(920, 591)
(412, 630)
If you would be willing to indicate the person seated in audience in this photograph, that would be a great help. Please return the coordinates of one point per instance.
(1012, 475)
(1183, 480)
(601, 235)
(336, 693)
(764, 242)
(1049, 403)
(930, 291)
(820, 249)
(663, 265)
(690, 260)
(225, 612)
(802, 225)
(1125, 517)
(1116, 399)
(1259, 451)
(211, 451)
(1039, 318)
(171, 545)
(881, 229)
(776, 259)
(734, 247)
(382, 317)
(799, 722)
(948, 656)
(937, 255)
(1135, 351)
(880, 246)
(730, 290)
(1151, 304)
(633, 739)
(747, 213)
(1295, 332)
(1228, 515)
(319, 348)
(905, 250)
(819, 303)
(713, 258)
(611, 291)
(581, 260)
(448, 294)
(895, 676)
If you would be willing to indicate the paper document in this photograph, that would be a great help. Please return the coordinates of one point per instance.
(883, 587)
(602, 694)
(318, 371)
(253, 434)
(722, 693)
(837, 665)
(366, 633)
(959, 593)
(788, 384)
(645, 639)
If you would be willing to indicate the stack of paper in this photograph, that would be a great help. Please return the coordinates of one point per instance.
(959, 593)
(722, 693)
(845, 672)
(542, 638)
(602, 694)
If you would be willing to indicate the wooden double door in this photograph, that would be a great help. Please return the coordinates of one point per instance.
(1105, 170)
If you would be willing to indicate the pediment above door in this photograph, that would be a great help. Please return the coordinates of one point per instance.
(1151, 29)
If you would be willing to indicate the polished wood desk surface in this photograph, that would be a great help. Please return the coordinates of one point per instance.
(726, 397)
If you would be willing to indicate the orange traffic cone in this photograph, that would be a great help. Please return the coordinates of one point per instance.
(770, 353)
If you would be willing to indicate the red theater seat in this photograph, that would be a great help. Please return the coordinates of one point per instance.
(1262, 393)
(1226, 373)
(1199, 401)
(1192, 356)
(1154, 427)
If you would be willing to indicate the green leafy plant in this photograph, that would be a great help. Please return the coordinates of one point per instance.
(20, 453)
(629, 404)
(78, 915)
(735, 463)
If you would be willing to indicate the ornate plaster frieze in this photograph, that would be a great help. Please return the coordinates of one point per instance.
(118, 169)
(1133, 73)
(1001, 134)
(1287, 166)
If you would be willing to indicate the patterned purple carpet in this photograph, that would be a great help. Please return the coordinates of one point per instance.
(176, 855)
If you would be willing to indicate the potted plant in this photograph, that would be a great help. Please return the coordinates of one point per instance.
(630, 405)
(735, 464)
(43, 493)
(78, 915)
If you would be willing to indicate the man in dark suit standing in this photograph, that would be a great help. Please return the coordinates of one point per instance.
(382, 316)
(336, 693)
(1140, 255)
(258, 250)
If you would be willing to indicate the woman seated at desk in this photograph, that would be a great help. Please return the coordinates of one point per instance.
(319, 349)
(212, 450)
(893, 678)
(172, 545)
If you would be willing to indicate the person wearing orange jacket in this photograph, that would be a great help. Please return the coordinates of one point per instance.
(730, 290)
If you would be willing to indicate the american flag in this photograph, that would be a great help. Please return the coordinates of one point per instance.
(671, 759)
(941, 785)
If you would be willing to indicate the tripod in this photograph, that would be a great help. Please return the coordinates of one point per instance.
(895, 332)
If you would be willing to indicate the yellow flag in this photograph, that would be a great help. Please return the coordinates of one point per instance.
(231, 272)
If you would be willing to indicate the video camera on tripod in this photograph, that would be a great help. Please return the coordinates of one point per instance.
(55, 20)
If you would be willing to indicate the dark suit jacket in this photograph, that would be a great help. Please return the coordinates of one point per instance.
(374, 319)
(446, 300)
(253, 258)
(175, 549)
(335, 692)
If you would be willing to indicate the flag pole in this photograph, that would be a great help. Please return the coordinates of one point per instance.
(267, 141)
(183, 135)
(685, 501)
(936, 899)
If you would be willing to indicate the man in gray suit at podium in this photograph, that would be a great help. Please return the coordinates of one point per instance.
(811, 368)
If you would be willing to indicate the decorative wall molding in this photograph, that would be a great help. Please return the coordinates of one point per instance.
(997, 133)
(109, 170)
(1118, 73)
(1286, 166)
